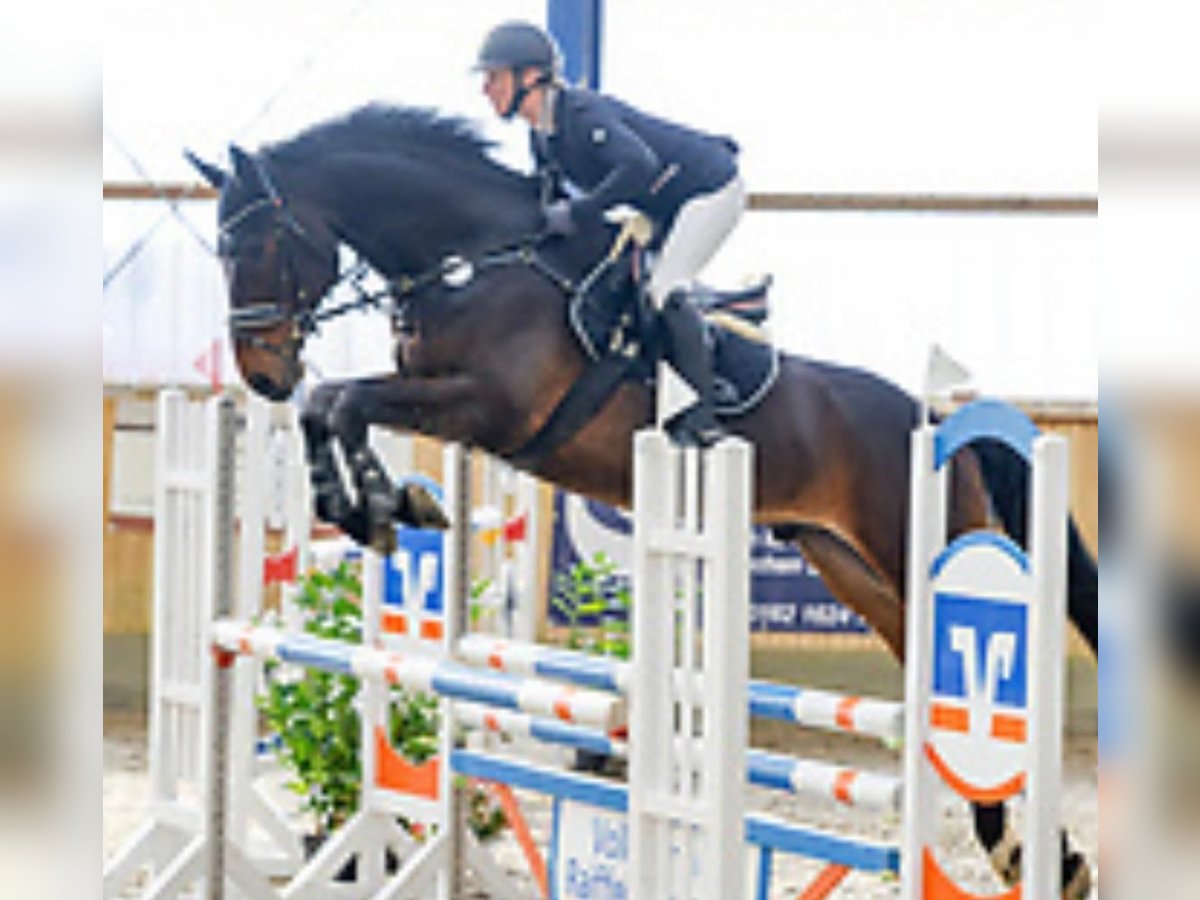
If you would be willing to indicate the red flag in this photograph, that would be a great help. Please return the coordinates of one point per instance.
(516, 528)
(208, 364)
(281, 567)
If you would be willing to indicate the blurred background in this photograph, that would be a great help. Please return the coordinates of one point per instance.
(939, 166)
(51, 263)
(927, 169)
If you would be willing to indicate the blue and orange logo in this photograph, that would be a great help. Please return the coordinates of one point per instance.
(980, 698)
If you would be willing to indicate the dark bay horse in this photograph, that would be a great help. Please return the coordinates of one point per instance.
(484, 354)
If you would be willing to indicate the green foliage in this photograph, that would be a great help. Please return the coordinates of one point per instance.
(315, 714)
(485, 815)
(476, 608)
(312, 712)
(596, 602)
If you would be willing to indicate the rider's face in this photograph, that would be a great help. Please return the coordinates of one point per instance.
(498, 87)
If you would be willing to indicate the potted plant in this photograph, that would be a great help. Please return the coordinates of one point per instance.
(314, 716)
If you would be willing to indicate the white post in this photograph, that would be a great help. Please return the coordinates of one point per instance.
(727, 503)
(676, 807)
(1048, 508)
(529, 595)
(1035, 580)
(221, 435)
(652, 709)
(298, 526)
(927, 531)
(247, 602)
(374, 714)
(181, 610)
(456, 481)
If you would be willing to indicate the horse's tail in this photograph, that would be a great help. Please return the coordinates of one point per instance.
(1007, 478)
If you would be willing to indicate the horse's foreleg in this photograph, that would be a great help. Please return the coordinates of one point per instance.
(329, 494)
(331, 499)
(395, 401)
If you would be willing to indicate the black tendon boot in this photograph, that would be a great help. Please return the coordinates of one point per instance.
(687, 350)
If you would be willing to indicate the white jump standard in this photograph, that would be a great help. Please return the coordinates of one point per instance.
(984, 680)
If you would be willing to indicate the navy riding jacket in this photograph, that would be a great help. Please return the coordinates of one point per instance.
(617, 154)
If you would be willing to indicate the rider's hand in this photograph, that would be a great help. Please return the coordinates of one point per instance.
(558, 218)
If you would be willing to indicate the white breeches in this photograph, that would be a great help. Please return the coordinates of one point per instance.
(702, 225)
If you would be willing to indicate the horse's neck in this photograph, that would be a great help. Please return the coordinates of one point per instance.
(404, 215)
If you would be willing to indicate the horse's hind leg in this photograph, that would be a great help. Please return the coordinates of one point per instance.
(1003, 847)
(852, 581)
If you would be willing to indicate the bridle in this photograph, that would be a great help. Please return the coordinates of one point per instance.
(305, 318)
(293, 305)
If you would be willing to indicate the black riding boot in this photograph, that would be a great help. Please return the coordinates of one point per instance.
(687, 350)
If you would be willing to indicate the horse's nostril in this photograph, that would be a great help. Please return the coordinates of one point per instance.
(265, 387)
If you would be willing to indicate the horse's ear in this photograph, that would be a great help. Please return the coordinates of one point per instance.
(214, 175)
(243, 165)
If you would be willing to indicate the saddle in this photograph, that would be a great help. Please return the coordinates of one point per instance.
(610, 314)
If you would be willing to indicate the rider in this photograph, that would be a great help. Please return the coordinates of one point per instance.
(594, 153)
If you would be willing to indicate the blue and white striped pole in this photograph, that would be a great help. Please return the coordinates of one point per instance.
(827, 710)
(561, 702)
(815, 779)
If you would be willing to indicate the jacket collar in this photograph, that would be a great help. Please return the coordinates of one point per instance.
(553, 97)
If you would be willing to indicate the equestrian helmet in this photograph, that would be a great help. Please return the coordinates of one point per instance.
(519, 45)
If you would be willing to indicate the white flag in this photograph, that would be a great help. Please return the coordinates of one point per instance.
(943, 372)
(674, 395)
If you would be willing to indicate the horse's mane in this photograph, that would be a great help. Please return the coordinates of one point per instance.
(380, 128)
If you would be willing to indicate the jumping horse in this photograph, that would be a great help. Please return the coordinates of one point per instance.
(484, 355)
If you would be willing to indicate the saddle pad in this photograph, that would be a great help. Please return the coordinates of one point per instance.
(745, 368)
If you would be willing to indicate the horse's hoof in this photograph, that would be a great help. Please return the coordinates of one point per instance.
(383, 541)
(379, 516)
(1006, 861)
(1077, 877)
(420, 509)
(1006, 858)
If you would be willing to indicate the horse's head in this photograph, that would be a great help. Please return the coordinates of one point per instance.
(280, 259)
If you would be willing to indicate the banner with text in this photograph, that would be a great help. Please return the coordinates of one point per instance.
(787, 593)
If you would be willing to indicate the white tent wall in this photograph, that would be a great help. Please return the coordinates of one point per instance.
(165, 310)
(1012, 296)
(871, 95)
(166, 307)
